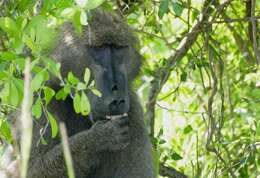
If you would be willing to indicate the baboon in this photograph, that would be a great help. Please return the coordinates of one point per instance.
(112, 142)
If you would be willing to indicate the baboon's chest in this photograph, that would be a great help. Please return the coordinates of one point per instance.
(112, 165)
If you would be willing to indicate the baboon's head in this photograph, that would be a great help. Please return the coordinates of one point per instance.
(107, 48)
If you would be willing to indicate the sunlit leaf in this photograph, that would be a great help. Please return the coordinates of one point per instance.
(61, 94)
(81, 86)
(48, 94)
(8, 25)
(14, 97)
(68, 12)
(37, 81)
(92, 4)
(83, 18)
(54, 125)
(72, 79)
(43, 141)
(96, 92)
(5, 130)
(77, 103)
(37, 108)
(87, 75)
(8, 55)
(84, 104)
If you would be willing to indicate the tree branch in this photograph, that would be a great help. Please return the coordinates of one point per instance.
(243, 47)
(170, 172)
(163, 72)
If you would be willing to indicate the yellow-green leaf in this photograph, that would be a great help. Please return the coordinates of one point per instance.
(48, 94)
(14, 95)
(96, 92)
(92, 4)
(87, 75)
(37, 108)
(84, 104)
(54, 125)
(77, 103)
(37, 81)
(83, 18)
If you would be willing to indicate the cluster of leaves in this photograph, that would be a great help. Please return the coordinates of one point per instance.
(188, 109)
(28, 31)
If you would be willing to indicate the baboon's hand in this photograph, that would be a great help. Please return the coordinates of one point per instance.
(112, 135)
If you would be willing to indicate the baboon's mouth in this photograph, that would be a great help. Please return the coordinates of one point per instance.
(113, 117)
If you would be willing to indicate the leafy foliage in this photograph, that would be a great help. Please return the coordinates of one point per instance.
(207, 114)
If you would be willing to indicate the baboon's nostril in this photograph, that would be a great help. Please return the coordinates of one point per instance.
(117, 102)
(121, 102)
(114, 88)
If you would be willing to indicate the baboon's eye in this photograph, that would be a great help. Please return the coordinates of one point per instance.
(98, 53)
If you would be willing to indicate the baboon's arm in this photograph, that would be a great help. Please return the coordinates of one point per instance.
(51, 164)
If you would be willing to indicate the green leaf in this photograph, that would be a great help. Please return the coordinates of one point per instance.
(25, 4)
(52, 66)
(43, 141)
(92, 4)
(54, 125)
(81, 3)
(195, 14)
(8, 55)
(5, 130)
(160, 132)
(5, 92)
(96, 92)
(77, 103)
(67, 88)
(8, 25)
(40, 34)
(187, 129)
(3, 75)
(177, 8)
(48, 94)
(184, 76)
(37, 81)
(37, 108)
(76, 22)
(83, 18)
(20, 61)
(14, 95)
(81, 86)
(61, 94)
(68, 12)
(72, 79)
(176, 156)
(162, 142)
(163, 8)
(87, 75)
(84, 104)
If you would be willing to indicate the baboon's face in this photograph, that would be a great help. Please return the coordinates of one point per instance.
(109, 70)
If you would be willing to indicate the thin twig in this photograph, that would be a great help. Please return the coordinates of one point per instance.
(66, 151)
(163, 72)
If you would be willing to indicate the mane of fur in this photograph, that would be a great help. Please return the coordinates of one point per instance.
(104, 28)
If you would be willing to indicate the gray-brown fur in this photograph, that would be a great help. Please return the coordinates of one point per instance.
(96, 152)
